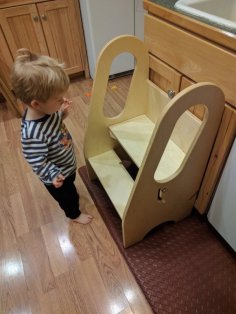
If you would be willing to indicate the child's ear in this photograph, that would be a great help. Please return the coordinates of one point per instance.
(34, 104)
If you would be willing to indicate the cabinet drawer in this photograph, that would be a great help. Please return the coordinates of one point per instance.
(196, 58)
(163, 75)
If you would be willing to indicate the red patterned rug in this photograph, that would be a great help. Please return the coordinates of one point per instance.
(181, 267)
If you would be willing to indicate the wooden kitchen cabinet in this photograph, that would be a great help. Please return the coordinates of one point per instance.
(170, 80)
(224, 140)
(6, 59)
(195, 59)
(167, 78)
(22, 29)
(52, 28)
(63, 36)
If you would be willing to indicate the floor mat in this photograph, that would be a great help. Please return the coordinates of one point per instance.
(181, 267)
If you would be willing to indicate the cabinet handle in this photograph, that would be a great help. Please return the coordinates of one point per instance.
(35, 18)
(171, 93)
(44, 17)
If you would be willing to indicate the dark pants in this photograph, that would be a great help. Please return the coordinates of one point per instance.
(66, 196)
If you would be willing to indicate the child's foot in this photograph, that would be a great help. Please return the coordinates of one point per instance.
(83, 219)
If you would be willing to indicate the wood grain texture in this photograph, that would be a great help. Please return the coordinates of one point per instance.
(198, 59)
(47, 27)
(163, 75)
(215, 34)
(197, 110)
(224, 140)
(61, 33)
(49, 264)
(162, 159)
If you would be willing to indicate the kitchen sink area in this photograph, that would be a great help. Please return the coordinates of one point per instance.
(217, 11)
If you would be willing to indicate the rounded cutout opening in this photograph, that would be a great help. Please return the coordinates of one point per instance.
(121, 72)
(183, 137)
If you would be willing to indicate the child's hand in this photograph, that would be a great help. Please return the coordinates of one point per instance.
(58, 181)
(66, 107)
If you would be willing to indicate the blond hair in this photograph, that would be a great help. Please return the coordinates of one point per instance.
(37, 77)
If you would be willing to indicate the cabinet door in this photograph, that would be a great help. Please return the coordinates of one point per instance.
(62, 33)
(197, 110)
(221, 148)
(163, 75)
(6, 60)
(22, 29)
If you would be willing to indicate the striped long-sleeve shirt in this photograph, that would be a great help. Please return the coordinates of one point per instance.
(47, 146)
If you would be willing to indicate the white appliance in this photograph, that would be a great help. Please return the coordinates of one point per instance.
(105, 19)
(222, 213)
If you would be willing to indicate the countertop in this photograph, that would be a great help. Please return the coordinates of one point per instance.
(169, 4)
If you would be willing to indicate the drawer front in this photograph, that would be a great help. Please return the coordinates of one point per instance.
(194, 57)
(163, 75)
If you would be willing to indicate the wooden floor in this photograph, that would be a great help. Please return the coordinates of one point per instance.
(49, 264)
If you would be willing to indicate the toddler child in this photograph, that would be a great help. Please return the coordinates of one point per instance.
(40, 82)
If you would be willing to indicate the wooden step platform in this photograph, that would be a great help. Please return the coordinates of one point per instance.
(134, 136)
(114, 178)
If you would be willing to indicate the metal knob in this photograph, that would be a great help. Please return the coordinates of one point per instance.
(44, 17)
(170, 93)
(35, 18)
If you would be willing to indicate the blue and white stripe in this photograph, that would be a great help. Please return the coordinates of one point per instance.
(43, 149)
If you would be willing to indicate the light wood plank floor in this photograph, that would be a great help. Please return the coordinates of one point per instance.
(47, 263)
